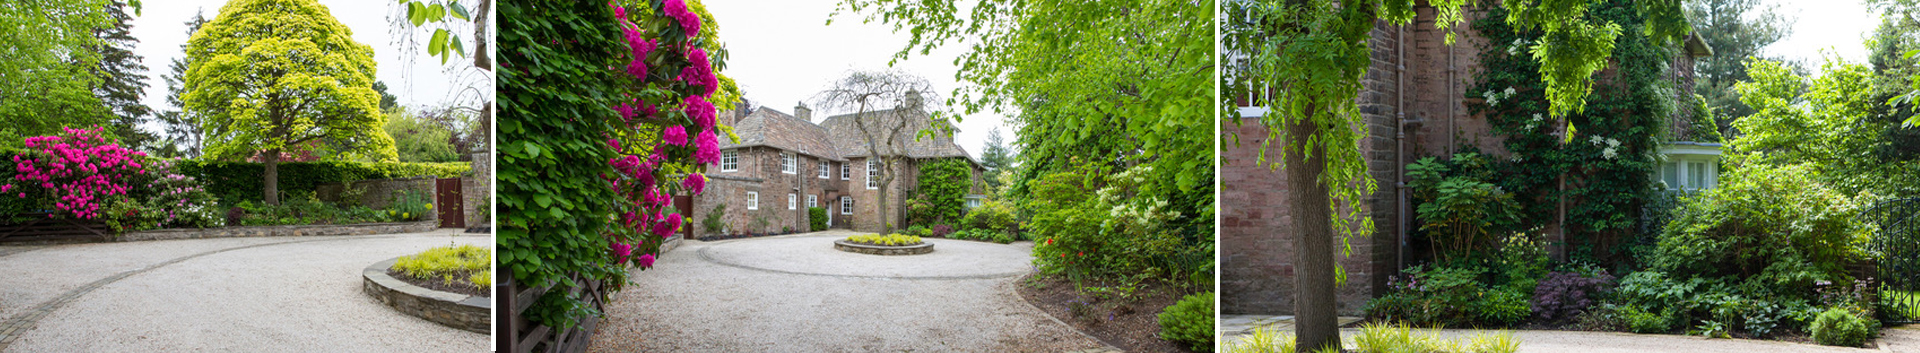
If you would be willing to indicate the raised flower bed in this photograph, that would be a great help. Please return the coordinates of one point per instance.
(893, 244)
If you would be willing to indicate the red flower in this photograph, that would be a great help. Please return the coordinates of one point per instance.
(1083, 253)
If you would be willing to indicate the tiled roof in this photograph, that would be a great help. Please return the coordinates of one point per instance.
(837, 137)
(768, 127)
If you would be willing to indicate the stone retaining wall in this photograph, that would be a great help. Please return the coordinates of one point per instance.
(376, 193)
(843, 245)
(282, 231)
(466, 312)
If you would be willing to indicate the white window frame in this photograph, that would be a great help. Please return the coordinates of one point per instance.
(793, 201)
(846, 205)
(788, 163)
(813, 201)
(753, 200)
(846, 171)
(823, 168)
(730, 161)
(873, 174)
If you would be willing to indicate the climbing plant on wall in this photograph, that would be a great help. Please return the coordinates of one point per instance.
(1609, 160)
(607, 110)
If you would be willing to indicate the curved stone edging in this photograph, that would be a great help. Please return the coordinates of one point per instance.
(282, 231)
(466, 312)
(705, 256)
(916, 249)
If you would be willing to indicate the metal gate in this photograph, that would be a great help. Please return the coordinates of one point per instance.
(449, 202)
(1895, 249)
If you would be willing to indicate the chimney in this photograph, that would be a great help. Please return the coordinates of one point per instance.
(740, 111)
(800, 111)
(913, 100)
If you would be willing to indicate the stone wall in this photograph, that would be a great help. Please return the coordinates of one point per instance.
(466, 312)
(282, 231)
(375, 193)
(476, 190)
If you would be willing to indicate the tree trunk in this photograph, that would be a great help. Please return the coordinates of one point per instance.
(272, 182)
(1315, 324)
(886, 178)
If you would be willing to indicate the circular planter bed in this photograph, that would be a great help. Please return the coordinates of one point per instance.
(461, 311)
(916, 249)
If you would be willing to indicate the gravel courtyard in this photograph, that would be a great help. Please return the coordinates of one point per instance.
(295, 294)
(797, 294)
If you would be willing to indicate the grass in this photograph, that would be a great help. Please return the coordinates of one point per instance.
(1379, 338)
(447, 263)
(1912, 311)
(887, 240)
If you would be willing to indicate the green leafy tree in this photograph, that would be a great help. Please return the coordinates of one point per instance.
(1823, 122)
(46, 76)
(123, 79)
(1736, 30)
(181, 128)
(418, 139)
(995, 158)
(1312, 55)
(273, 76)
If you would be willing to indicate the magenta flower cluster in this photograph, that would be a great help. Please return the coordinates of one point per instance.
(641, 181)
(79, 168)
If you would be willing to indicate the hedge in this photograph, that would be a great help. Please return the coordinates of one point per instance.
(11, 204)
(241, 181)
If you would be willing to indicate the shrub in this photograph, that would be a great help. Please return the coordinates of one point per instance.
(1839, 327)
(1459, 208)
(817, 218)
(712, 223)
(1448, 296)
(78, 174)
(1190, 322)
(940, 230)
(1561, 295)
(918, 230)
(994, 215)
(1091, 223)
(1640, 320)
(448, 262)
(886, 240)
(1773, 226)
(240, 181)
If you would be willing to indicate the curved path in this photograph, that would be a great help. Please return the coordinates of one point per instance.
(1237, 328)
(797, 294)
(228, 294)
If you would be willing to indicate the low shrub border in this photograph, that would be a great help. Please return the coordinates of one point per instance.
(466, 312)
(282, 231)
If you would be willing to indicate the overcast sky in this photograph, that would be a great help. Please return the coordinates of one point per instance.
(782, 53)
(1839, 27)
(161, 28)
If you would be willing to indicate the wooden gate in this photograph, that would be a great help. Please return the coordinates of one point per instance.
(684, 204)
(40, 227)
(448, 201)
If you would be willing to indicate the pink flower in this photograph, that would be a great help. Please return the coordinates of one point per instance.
(700, 111)
(706, 148)
(689, 21)
(621, 251)
(640, 46)
(614, 143)
(675, 135)
(617, 10)
(694, 183)
(646, 260)
(699, 72)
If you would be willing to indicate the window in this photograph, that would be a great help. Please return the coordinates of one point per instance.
(1688, 175)
(846, 171)
(729, 160)
(813, 201)
(787, 163)
(793, 201)
(973, 201)
(846, 205)
(823, 169)
(753, 200)
(873, 174)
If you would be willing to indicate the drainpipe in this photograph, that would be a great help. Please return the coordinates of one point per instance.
(1451, 97)
(1400, 145)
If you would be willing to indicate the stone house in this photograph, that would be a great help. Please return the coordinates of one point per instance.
(785, 163)
(1413, 102)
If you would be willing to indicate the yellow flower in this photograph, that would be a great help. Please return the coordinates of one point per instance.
(429, 206)
(406, 215)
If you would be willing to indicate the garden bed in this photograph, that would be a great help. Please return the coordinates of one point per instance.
(281, 231)
(916, 249)
(462, 311)
(1131, 326)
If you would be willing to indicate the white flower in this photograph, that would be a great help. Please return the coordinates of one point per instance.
(1596, 140)
(1612, 143)
(1607, 153)
(1536, 116)
(1509, 91)
(1491, 101)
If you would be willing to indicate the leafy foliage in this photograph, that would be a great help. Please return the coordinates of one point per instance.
(47, 79)
(1092, 225)
(1459, 209)
(464, 262)
(887, 240)
(1839, 327)
(1772, 226)
(1448, 296)
(944, 185)
(240, 181)
(1562, 295)
(1736, 30)
(1825, 123)
(996, 216)
(418, 140)
(816, 219)
(1190, 321)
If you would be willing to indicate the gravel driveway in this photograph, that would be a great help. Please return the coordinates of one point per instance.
(796, 294)
(294, 294)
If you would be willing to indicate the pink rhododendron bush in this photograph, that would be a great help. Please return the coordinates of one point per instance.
(82, 175)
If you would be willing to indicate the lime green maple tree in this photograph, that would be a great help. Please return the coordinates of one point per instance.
(273, 76)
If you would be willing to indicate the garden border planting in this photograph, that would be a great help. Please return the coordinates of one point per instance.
(466, 312)
(916, 249)
(282, 231)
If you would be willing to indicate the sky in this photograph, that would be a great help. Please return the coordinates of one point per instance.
(161, 28)
(1838, 27)
(783, 52)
